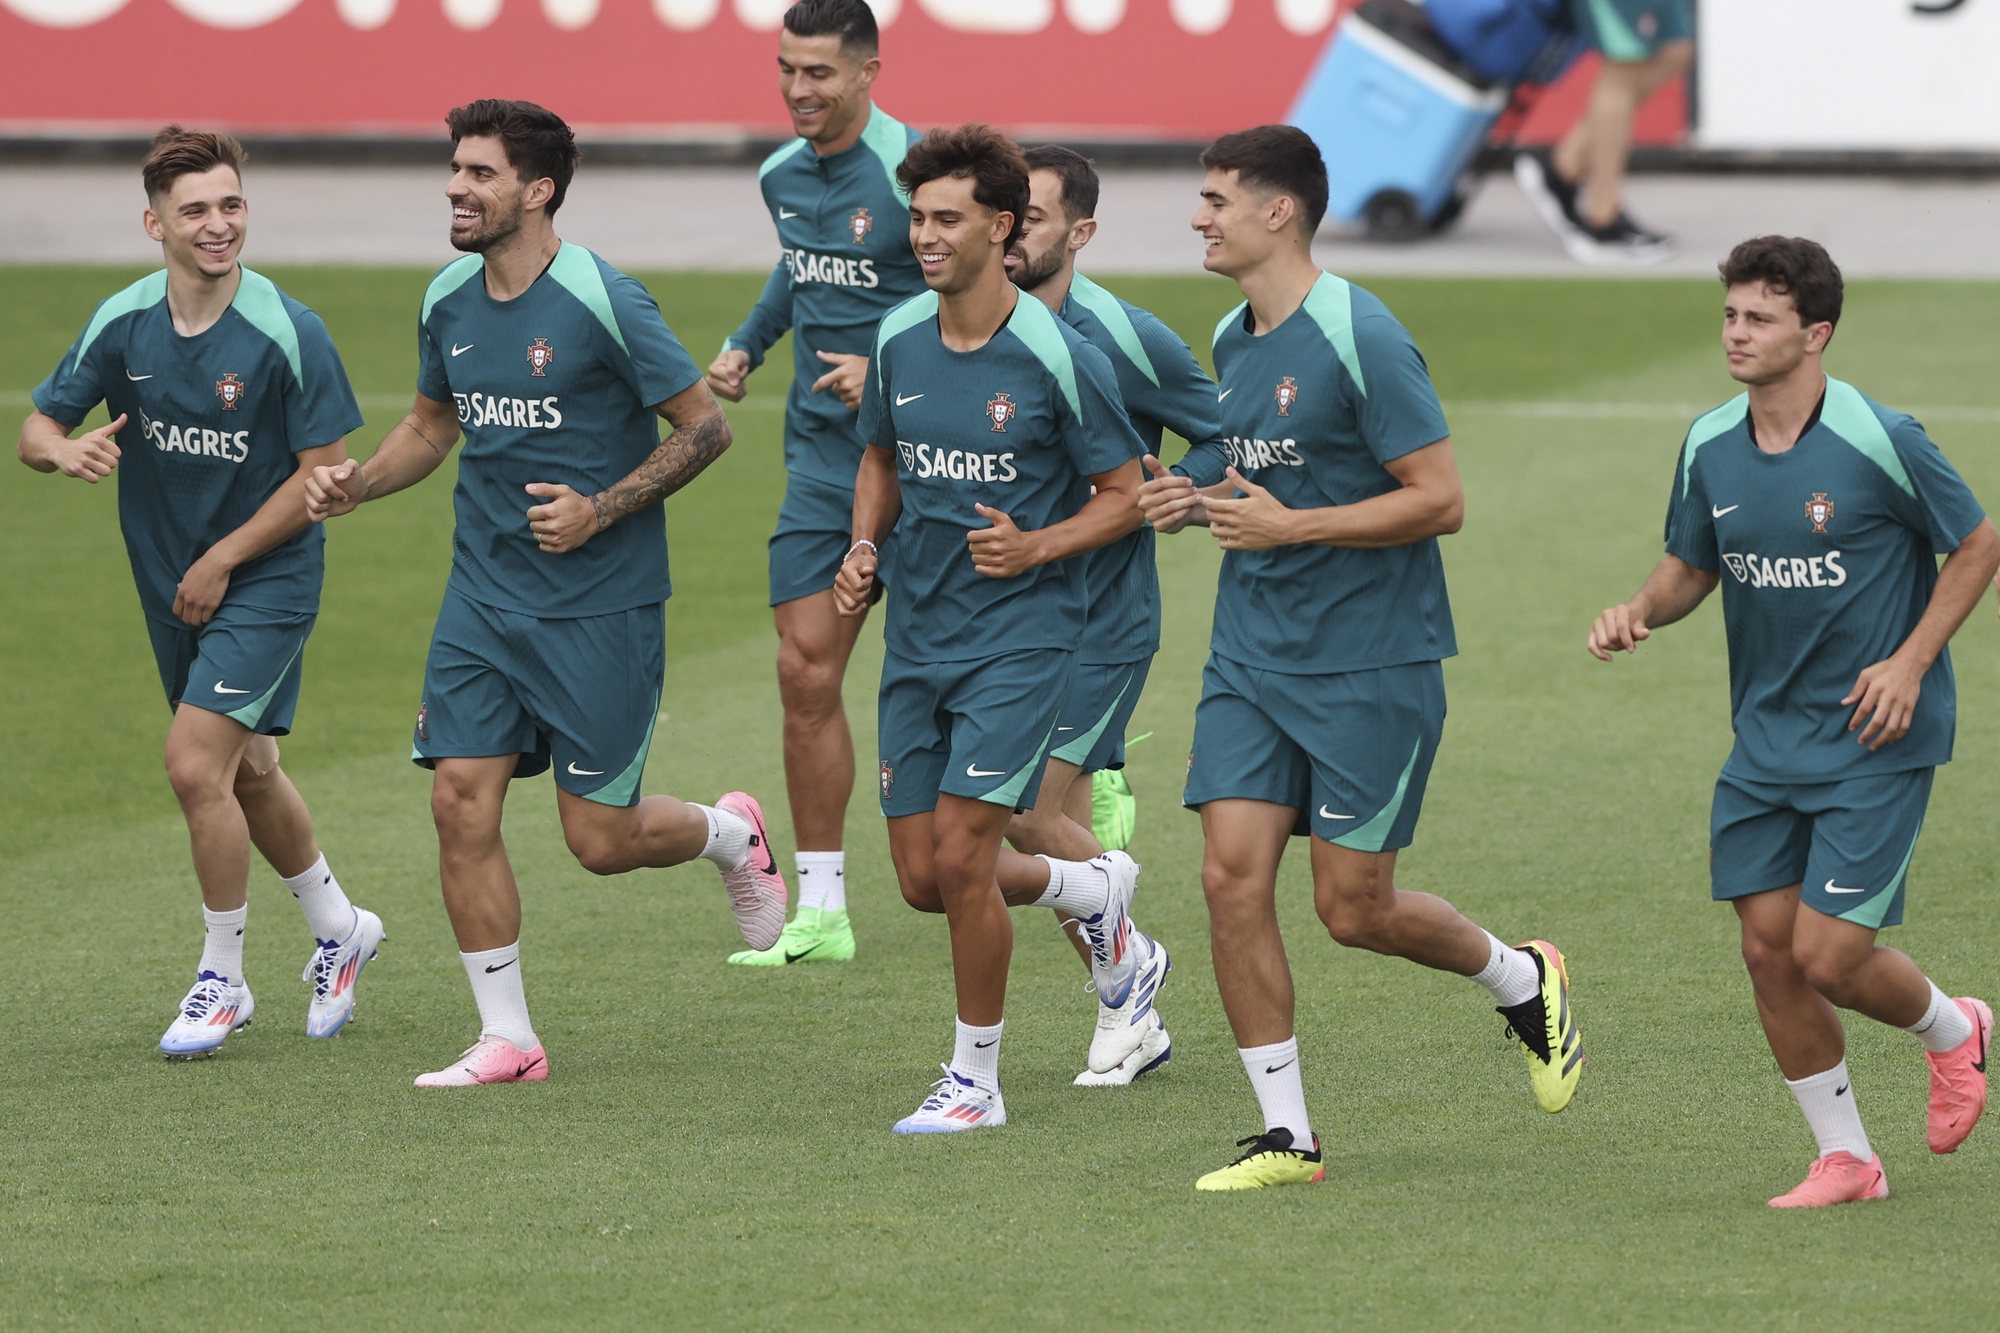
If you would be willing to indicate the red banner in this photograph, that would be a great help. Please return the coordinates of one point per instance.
(1183, 70)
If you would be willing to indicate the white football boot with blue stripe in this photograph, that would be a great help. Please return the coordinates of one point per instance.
(1122, 1028)
(213, 1008)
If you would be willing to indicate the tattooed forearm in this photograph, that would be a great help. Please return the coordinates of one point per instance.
(418, 430)
(679, 460)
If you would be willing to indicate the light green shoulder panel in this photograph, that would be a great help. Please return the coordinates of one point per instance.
(908, 315)
(1222, 325)
(889, 140)
(149, 290)
(1037, 326)
(1849, 415)
(576, 269)
(1111, 311)
(1722, 420)
(772, 162)
(258, 301)
(1330, 303)
(453, 276)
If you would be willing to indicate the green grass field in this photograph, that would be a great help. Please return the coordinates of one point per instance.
(713, 1149)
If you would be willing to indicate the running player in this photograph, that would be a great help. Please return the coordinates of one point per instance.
(227, 392)
(989, 423)
(550, 646)
(1828, 512)
(1323, 699)
(1162, 388)
(840, 216)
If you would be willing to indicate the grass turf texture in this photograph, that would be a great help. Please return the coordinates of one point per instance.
(713, 1148)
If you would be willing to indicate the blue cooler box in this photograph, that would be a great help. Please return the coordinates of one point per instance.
(1397, 127)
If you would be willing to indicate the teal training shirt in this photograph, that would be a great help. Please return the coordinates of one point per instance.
(1827, 555)
(1163, 388)
(1019, 425)
(212, 426)
(557, 385)
(844, 225)
(1311, 411)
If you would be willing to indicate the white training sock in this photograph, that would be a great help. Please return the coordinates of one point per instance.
(1079, 888)
(1274, 1074)
(1509, 973)
(328, 913)
(728, 836)
(495, 975)
(1944, 1026)
(1828, 1103)
(822, 880)
(222, 943)
(976, 1054)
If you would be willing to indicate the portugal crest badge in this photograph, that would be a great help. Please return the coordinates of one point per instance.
(1820, 510)
(1287, 393)
(860, 225)
(230, 390)
(540, 356)
(1001, 411)
(888, 779)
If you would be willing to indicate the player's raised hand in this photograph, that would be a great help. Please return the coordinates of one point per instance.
(847, 377)
(333, 491)
(1003, 550)
(1168, 500)
(1252, 521)
(1617, 629)
(854, 585)
(566, 521)
(90, 456)
(201, 590)
(727, 372)
(1885, 696)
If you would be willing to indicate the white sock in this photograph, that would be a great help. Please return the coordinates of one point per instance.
(822, 880)
(976, 1054)
(1274, 1074)
(1944, 1026)
(495, 975)
(728, 836)
(222, 943)
(1509, 973)
(1077, 887)
(1828, 1103)
(328, 913)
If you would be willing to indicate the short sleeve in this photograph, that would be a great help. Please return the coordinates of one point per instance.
(1941, 505)
(76, 386)
(1098, 436)
(432, 382)
(655, 364)
(1690, 534)
(1399, 410)
(1185, 400)
(871, 423)
(321, 409)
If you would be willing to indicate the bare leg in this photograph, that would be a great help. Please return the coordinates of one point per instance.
(1050, 829)
(1801, 1026)
(611, 839)
(204, 751)
(1595, 151)
(966, 846)
(814, 644)
(480, 894)
(1243, 843)
(1363, 909)
(1843, 962)
(279, 823)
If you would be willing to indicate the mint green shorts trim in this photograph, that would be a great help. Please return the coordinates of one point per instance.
(1847, 843)
(1091, 731)
(1632, 30)
(977, 729)
(246, 663)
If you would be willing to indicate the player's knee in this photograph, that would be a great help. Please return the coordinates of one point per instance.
(1028, 830)
(1828, 971)
(1353, 923)
(194, 775)
(807, 681)
(1768, 960)
(457, 808)
(595, 852)
(1674, 59)
(921, 891)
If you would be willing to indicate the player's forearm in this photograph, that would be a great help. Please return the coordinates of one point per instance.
(878, 497)
(41, 436)
(768, 319)
(1962, 581)
(1108, 515)
(1671, 592)
(411, 451)
(1402, 517)
(681, 458)
(1203, 463)
(277, 520)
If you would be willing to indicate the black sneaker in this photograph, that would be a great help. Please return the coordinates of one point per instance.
(1553, 198)
(1623, 241)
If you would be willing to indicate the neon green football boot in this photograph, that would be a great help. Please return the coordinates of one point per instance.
(1114, 811)
(812, 936)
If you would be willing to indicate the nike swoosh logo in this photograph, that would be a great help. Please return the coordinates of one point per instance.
(1325, 813)
(576, 772)
(220, 688)
(1717, 511)
(1272, 1069)
(1841, 1091)
(1224, 394)
(907, 398)
(136, 378)
(791, 957)
(502, 967)
(784, 213)
(982, 1045)
(1831, 887)
(456, 350)
(974, 771)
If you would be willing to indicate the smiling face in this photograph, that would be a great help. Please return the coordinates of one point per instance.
(200, 222)
(825, 89)
(1763, 336)
(1240, 225)
(488, 197)
(1048, 237)
(956, 238)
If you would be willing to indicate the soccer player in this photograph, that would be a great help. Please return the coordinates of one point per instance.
(1827, 511)
(840, 216)
(997, 452)
(1162, 388)
(550, 645)
(227, 392)
(1323, 699)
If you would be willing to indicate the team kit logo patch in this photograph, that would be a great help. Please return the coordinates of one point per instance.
(230, 390)
(423, 720)
(1819, 509)
(860, 225)
(540, 356)
(888, 779)
(1286, 393)
(1001, 411)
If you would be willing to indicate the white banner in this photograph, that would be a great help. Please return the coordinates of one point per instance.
(1910, 75)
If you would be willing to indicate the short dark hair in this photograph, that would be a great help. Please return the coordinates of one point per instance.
(1079, 177)
(178, 152)
(536, 140)
(1791, 265)
(979, 153)
(850, 20)
(1280, 158)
